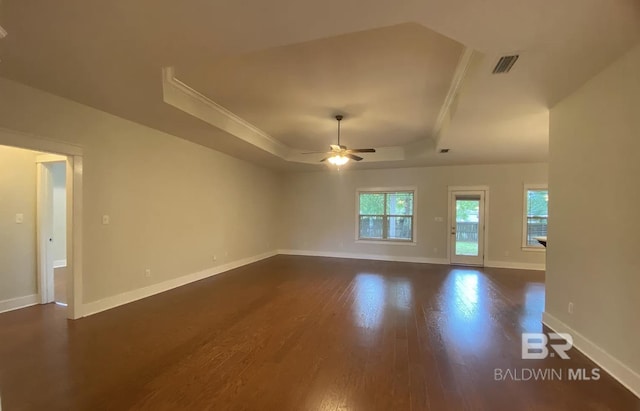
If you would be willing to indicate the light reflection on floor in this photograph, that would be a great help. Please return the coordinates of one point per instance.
(372, 294)
(468, 313)
(467, 327)
(464, 310)
(531, 316)
(471, 324)
(370, 290)
(403, 294)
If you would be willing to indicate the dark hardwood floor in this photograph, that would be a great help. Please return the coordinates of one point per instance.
(301, 333)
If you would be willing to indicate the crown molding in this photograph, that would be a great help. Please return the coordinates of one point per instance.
(185, 98)
(448, 106)
(178, 94)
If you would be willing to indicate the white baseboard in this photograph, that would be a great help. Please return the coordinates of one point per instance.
(425, 260)
(378, 257)
(625, 375)
(515, 265)
(140, 293)
(60, 263)
(19, 302)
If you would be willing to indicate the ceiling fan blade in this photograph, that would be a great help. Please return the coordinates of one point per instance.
(353, 157)
(316, 152)
(362, 150)
(335, 147)
(324, 159)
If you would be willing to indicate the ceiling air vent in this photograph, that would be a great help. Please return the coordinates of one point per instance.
(505, 64)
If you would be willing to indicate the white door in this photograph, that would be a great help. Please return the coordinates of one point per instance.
(45, 233)
(467, 227)
(51, 228)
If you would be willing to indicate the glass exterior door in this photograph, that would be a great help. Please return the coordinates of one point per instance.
(467, 227)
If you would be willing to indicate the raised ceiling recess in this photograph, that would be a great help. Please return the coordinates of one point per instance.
(261, 80)
(392, 83)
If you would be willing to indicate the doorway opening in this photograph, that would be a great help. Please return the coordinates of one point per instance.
(58, 169)
(468, 209)
(52, 228)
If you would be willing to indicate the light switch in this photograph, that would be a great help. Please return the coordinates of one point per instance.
(105, 219)
(19, 218)
(439, 219)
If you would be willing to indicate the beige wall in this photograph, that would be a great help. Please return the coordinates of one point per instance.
(319, 209)
(173, 204)
(594, 243)
(17, 241)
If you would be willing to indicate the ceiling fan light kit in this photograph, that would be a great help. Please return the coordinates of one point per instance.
(338, 160)
(341, 155)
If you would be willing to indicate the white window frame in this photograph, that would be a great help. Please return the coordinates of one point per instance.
(386, 241)
(525, 198)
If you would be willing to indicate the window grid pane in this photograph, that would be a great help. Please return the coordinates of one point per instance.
(386, 216)
(372, 203)
(399, 227)
(536, 227)
(371, 227)
(537, 215)
(400, 203)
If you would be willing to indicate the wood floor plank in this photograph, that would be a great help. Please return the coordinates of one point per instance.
(301, 333)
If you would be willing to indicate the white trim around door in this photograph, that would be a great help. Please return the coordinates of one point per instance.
(481, 193)
(72, 154)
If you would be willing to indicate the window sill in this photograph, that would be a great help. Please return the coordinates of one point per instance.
(386, 242)
(534, 249)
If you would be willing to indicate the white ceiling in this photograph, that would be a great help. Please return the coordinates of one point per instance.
(389, 83)
(285, 66)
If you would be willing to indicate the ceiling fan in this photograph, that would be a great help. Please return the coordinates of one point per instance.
(339, 154)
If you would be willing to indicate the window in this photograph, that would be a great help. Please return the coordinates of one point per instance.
(386, 215)
(536, 214)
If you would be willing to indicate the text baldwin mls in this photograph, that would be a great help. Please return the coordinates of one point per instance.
(546, 374)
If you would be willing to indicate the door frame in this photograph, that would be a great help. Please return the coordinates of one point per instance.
(74, 188)
(44, 227)
(450, 191)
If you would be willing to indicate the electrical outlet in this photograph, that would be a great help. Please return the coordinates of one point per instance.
(147, 272)
(435, 250)
(215, 258)
(19, 218)
(105, 219)
(570, 308)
